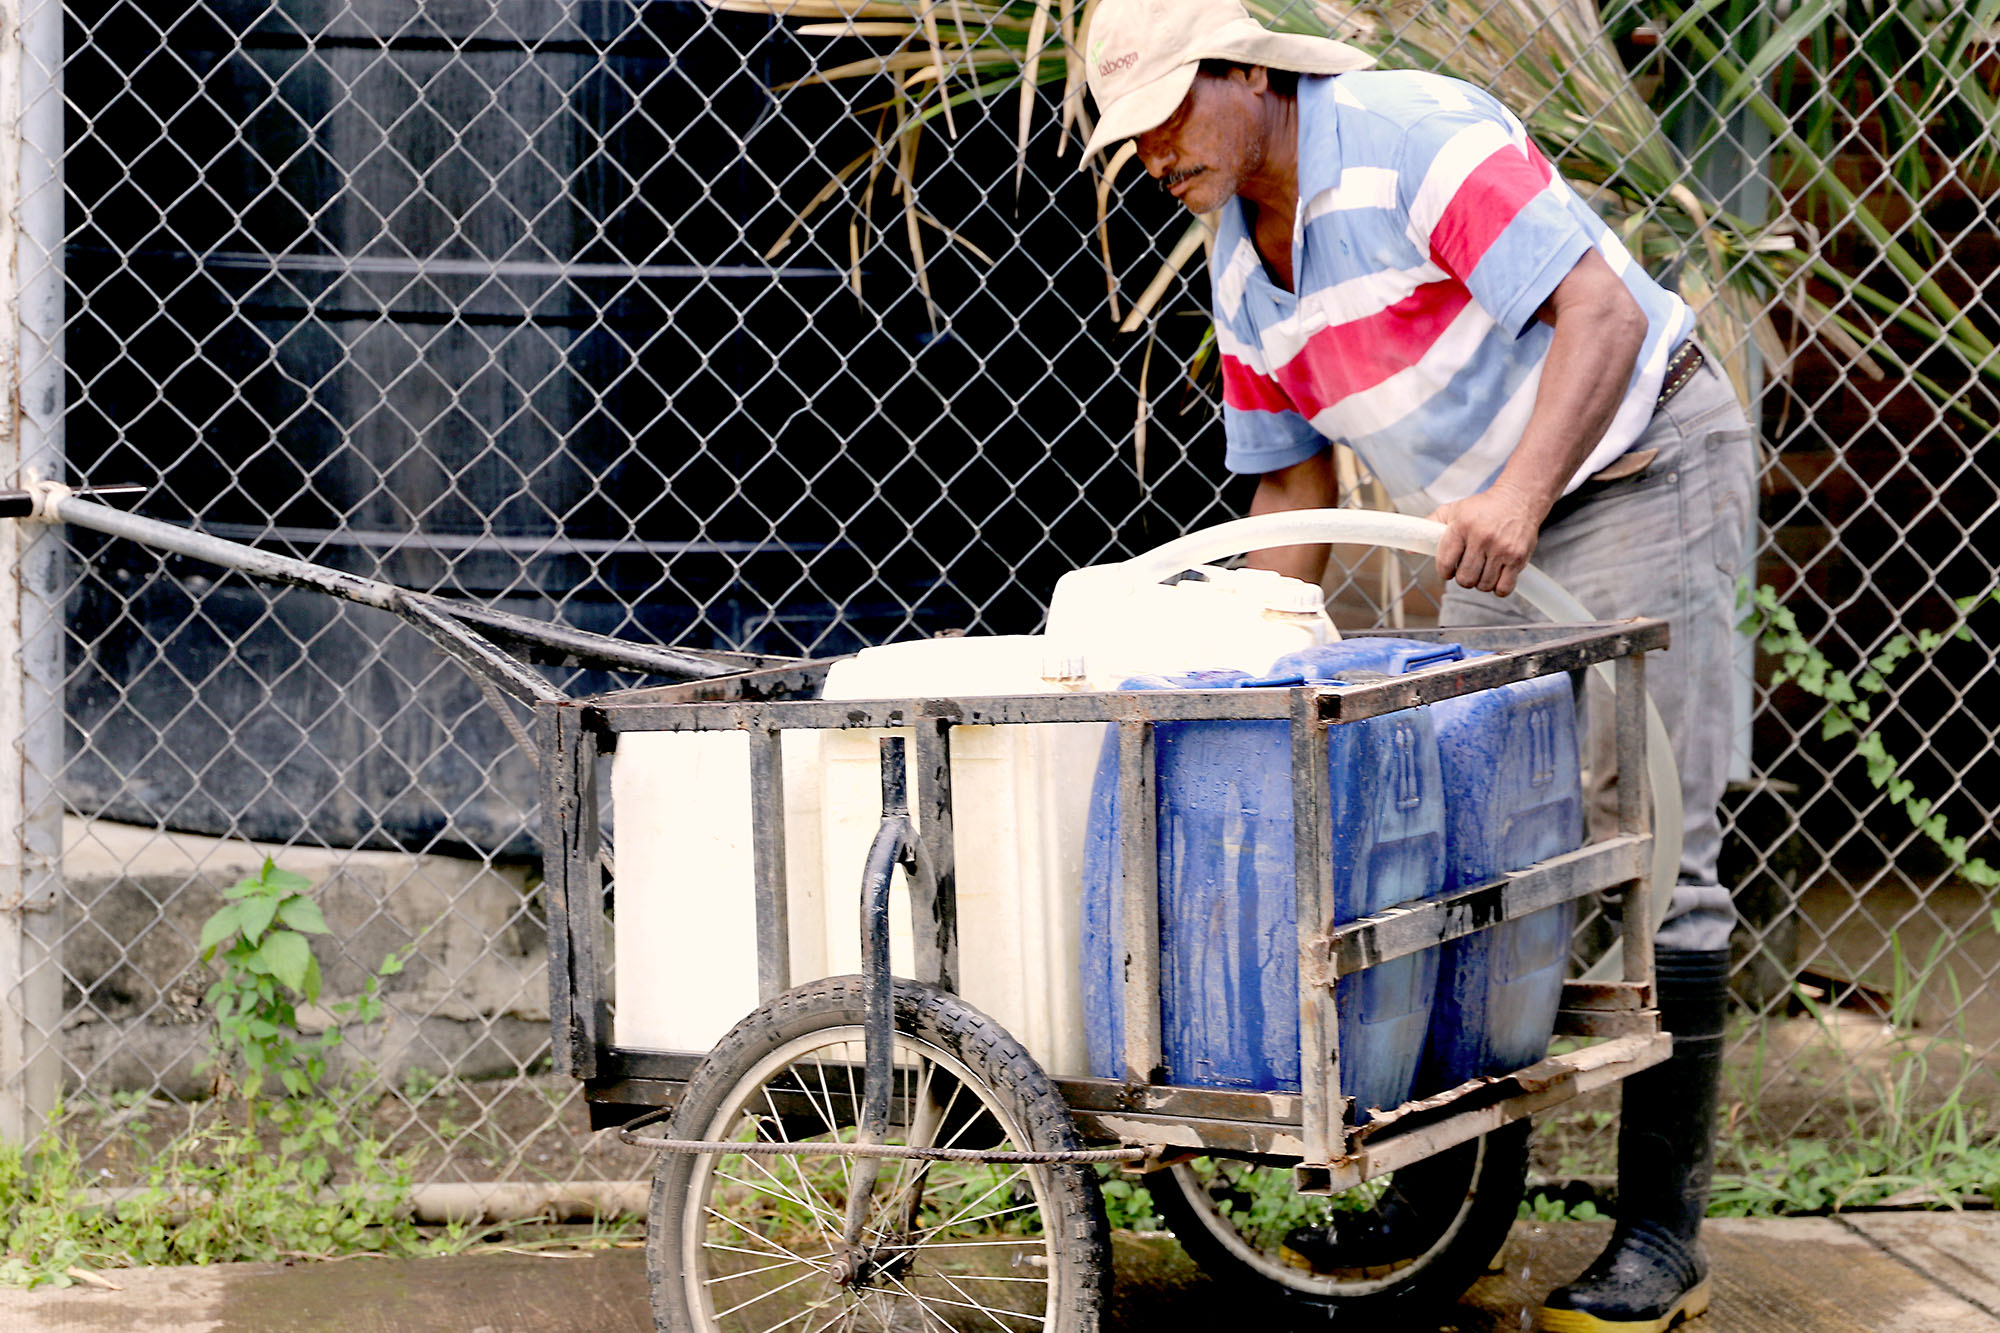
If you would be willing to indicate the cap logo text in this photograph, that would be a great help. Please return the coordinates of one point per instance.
(1106, 68)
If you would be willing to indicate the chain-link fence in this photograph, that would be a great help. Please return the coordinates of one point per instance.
(709, 327)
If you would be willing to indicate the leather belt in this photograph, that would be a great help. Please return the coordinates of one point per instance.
(1681, 366)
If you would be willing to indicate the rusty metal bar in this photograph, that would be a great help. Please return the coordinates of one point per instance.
(934, 892)
(1323, 1107)
(991, 711)
(767, 854)
(1610, 997)
(574, 885)
(1104, 1094)
(757, 698)
(1595, 1023)
(1138, 849)
(1413, 927)
(1635, 813)
(1496, 638)
(471, 651)
(1424, 1129)
(267, 567)
(1193, 1132)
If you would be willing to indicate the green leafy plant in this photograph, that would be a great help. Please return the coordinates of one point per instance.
(1539, 1207)
(286, 1167)
(1896, 1151)
(259, 942)
(1852, 699)
(1127, 1203)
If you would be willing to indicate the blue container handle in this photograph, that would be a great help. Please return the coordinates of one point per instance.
(1271, 682)
(1312, 677)
(1416, 659)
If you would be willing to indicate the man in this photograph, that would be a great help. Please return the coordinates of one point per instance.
(1398, 268)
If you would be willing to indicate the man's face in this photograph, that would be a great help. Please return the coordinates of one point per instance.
(1204, 151)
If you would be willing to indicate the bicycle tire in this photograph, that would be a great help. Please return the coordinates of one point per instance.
(1466, 1197)
(791, 1069)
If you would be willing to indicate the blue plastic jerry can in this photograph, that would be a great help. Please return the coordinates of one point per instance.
(1228, 908)
(1513, 796)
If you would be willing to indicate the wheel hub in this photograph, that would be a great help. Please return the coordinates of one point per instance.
(857, 1268)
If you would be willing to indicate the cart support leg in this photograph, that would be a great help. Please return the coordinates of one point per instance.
(934, 890)
(1323, 1108)
(1634, 814)
(1139, 868)
(892, 847)
(767, 824)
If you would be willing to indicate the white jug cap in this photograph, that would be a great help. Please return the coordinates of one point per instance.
(1295, 595)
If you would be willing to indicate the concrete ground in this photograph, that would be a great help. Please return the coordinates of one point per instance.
(1863, 1273)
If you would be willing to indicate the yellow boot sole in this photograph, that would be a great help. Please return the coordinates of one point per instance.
(1693, 1305)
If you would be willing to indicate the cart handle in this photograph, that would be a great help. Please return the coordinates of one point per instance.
(1405, 532)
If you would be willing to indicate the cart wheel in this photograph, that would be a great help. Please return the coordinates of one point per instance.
(750, 1243)
(1412, 1238)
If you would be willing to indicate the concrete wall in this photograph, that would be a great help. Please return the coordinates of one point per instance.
(472, 997)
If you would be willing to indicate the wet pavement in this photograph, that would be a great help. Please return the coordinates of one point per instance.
(1858, 1273)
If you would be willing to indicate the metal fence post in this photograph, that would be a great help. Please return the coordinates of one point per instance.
(31, 109)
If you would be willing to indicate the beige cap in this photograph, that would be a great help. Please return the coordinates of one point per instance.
(1140, 57)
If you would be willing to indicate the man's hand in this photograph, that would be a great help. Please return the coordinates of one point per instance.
(1488, 538)
(1599, 330)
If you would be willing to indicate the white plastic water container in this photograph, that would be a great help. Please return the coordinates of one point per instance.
(1019, 800)
(1212, 619)
(684, 924)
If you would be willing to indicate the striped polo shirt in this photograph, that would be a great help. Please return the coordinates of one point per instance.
(1430, 230)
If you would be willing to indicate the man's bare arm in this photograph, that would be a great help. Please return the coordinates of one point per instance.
(1599, 332)
(1308, 485)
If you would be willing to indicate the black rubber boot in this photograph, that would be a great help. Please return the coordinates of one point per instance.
(1653, 1274)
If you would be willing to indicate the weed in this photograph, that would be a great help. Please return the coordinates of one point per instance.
(261, 1186)
(1940, 1156)
(418, 1084)
(1541, 1208)
(1127, 1203)
(1850, 701)
(258, 941)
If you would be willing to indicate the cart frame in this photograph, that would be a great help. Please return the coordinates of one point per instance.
(1170, 1122)
(763, 696)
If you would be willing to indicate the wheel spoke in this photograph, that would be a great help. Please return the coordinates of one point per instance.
(846, 1163)
(806, 1313)
(754, 1235)
(720, 1248)
(766, 1295)
(995, 1277)
(992, 1189)
(968, 1221)
(746, 1272)
(969, 1303)
(923, 1308)
(936, 1239)
(797, 1167)
(777, 1187)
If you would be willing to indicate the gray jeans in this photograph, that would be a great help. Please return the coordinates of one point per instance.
(1670, 542)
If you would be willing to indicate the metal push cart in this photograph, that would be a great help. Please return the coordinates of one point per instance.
(873, 1152)
(874, 1069)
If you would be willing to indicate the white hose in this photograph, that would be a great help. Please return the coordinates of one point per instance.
(1404, 532)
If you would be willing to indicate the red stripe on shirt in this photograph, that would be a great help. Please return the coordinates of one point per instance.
(1542, 165)
(1248, 391)
(1346, 358)
(1489, 198)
